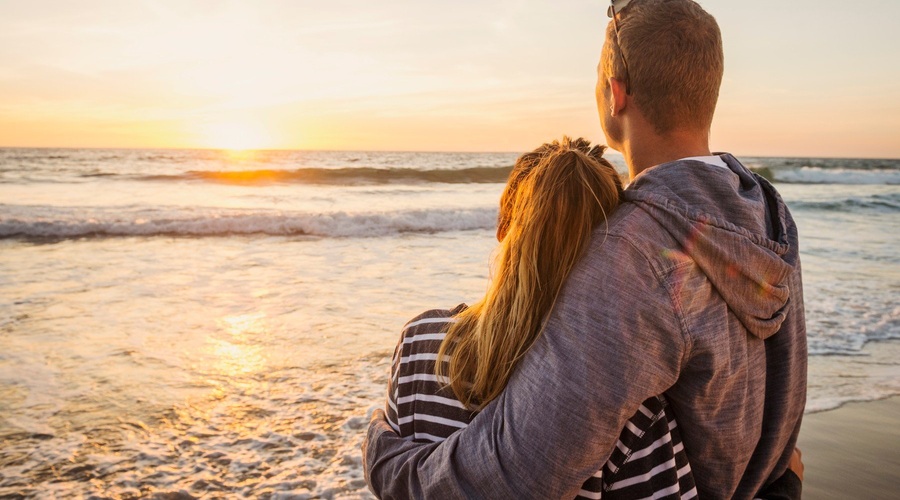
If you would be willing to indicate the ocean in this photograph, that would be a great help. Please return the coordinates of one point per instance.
(220, 323)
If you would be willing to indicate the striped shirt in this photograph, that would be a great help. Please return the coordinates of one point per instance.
(648, 461)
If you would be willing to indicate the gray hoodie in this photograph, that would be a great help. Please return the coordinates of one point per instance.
(693, 289)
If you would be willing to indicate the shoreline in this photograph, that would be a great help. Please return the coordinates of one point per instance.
(852, 451)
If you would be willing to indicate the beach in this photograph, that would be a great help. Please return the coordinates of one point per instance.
(853, 451)
(220, 323)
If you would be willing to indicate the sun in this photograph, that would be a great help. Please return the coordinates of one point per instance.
(236, 136)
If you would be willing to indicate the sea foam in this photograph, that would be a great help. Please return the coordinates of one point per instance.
(818, 175)
(109, 223)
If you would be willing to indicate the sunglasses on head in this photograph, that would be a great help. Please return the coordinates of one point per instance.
(617, 6)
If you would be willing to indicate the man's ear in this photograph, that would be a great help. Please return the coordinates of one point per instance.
(619, 96)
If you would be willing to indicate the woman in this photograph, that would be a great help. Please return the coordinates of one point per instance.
(554, 199)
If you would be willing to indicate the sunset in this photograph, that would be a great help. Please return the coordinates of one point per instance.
(402, 249)
(811, 78)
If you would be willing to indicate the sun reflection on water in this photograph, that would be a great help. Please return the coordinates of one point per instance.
(238, 155)
(240, 352)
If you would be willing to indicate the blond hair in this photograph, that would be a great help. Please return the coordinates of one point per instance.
(673, 49)
(555, 197)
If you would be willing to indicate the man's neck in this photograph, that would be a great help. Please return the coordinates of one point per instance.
(651, 149)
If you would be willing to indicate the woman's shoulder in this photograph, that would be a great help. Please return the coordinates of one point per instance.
(432, 321)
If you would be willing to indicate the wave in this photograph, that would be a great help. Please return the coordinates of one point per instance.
(353, 176)
(337, 224)
(879, 202)
(23, 166)
(820, 175)
(344, 176)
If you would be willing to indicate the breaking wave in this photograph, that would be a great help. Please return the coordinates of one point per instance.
(887, 203)
(817, 175)
(219, 223)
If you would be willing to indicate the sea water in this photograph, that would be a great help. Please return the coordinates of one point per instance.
(220, 323)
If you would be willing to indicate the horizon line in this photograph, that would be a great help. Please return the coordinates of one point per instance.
(314, 150)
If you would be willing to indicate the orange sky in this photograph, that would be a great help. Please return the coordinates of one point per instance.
(803, 78)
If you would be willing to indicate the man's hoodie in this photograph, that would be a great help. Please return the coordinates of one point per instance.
(692, 289)
(741, 415)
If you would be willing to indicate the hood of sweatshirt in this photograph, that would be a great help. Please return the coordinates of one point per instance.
(733, 225)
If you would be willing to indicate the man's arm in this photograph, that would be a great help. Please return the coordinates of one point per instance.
(612, 341)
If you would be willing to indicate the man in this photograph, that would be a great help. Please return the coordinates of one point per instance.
(693, 290)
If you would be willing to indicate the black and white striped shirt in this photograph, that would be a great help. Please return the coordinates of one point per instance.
(648, 462)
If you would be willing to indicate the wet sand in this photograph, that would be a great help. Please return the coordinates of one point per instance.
(853, 451)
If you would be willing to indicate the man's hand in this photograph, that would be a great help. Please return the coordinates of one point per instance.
(796, 464)
(378, 414)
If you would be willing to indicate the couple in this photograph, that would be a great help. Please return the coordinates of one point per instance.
(640, 343)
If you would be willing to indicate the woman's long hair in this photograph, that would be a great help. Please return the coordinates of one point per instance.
(556, 195)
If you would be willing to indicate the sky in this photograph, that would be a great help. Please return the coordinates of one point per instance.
(802, 77)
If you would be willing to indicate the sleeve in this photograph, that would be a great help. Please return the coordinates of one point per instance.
(558, 419)
(431, 322)
(390, 408)
(787, 487)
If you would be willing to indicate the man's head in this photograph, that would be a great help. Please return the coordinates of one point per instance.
(674, 60)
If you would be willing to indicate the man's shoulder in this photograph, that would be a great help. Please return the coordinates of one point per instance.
(626, 268)
(631, 270)
(633, 241)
